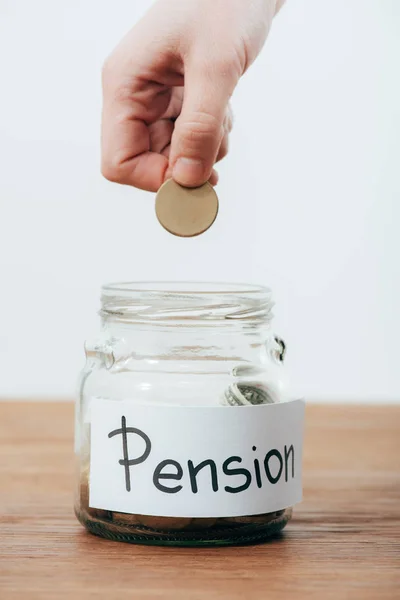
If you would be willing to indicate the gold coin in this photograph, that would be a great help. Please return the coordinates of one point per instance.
(186, 212)
(124, 518)
(163, 523)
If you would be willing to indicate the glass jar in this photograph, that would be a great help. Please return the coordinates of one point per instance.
(179, 375)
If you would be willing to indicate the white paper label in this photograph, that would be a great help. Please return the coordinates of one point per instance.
(177, 461)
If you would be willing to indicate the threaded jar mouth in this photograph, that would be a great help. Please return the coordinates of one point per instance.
(163, 301)
(184, 287)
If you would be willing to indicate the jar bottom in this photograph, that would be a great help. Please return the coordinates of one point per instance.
(223, 532)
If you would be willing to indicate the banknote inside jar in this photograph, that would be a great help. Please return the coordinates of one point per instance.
(238, 394)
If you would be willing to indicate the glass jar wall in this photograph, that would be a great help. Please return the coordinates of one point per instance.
(178, 345)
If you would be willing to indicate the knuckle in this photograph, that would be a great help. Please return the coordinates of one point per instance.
(116, 82)
(200, 127)
(224, 66)
(111, 170)
(123, 94)
(119, 94)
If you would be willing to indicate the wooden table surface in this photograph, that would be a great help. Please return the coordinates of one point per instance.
(344, 540)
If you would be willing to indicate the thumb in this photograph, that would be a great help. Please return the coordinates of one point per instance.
(199, 129)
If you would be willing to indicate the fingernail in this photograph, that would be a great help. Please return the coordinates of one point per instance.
(188, 171)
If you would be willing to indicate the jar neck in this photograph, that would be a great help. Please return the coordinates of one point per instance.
(186, 306)
(192, 321)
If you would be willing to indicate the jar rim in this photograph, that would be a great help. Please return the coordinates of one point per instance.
(185, 287)
(185, 302)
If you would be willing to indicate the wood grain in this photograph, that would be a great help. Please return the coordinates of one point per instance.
(344, 540)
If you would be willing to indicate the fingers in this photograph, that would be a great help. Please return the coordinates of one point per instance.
(160, 135)
(137, 126)
(223, 149)
(228, 124)
(130, 148)
(128, 160)
(199, 131)
(214, 177)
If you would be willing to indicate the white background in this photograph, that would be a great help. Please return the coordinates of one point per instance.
(310, 194)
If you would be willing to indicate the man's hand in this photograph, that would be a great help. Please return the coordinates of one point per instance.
(167, 86)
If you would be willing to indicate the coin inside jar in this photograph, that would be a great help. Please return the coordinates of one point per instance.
(186, 212)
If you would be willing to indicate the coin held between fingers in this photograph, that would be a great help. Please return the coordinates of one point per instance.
(186, 212)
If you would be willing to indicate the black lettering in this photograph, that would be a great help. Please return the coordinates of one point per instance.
(287, 454)
(244, 472)
(159, 475)
(278, 455)
(257, 469)
(126, 461)
(194, 470)
(257, 472)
